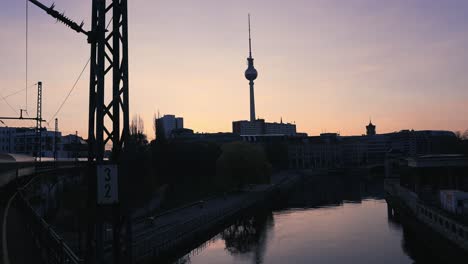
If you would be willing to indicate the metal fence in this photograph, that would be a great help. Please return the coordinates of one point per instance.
(52, 247)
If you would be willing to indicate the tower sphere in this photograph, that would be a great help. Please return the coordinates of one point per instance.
(251, 73)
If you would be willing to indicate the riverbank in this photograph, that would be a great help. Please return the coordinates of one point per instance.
(441, 230)
(158, 238)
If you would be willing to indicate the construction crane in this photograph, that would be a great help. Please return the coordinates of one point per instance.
(108, 122)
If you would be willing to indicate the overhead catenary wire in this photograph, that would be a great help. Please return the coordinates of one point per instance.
(11, 107)
(19, 91)
(69, 93)
(74, 85)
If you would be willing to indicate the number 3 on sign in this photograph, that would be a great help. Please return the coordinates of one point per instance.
(107, 189)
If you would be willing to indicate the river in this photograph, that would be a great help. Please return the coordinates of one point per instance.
(333, 220)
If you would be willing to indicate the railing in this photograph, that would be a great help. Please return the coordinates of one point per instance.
(439, 220)
(159, 242)
(164, 238)
(52, 247)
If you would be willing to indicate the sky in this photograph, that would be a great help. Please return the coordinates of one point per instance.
(326, 65)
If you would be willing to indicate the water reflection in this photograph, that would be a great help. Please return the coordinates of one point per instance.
(325, 220)
(422, 244)
(248, 237)
(333, 190)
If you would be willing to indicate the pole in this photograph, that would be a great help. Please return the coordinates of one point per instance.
(39, 123)
(56, 139)
(108, 121)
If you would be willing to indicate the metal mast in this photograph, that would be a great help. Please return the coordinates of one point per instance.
(39, 122)
(108, 122)
(56, 139)
(109, 56)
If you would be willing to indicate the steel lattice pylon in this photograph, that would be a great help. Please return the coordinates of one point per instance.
(109, 56)
(109, 52)
(108, 118)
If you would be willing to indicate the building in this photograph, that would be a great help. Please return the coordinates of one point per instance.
(256, 126)
(72, 146)
(7, 139)
(21, 140)
(260, 127)
(332, 150)
(187, 135)
(370, 129)
(316, 152)
(166, 124)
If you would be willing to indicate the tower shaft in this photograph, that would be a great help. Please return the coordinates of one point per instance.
(252, 101)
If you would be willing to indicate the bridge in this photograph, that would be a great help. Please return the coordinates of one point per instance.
(25, 236)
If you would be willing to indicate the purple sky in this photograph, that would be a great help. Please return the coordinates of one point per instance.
(328, 65)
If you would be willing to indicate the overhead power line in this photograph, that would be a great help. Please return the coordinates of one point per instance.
(19, 91)
(74, 85)
(11, 107)
(69, 93)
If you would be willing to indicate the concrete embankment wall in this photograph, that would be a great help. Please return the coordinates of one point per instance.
(434, 219)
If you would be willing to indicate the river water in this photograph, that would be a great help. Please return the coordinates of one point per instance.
(324, 221)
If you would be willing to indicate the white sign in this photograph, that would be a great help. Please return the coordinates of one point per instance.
(107, 184)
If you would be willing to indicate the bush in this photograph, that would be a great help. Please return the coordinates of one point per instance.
(242, 163)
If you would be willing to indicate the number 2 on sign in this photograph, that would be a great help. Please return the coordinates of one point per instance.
(107, 191)
(107, 185)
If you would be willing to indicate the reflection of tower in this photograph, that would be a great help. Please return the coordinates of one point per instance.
(251, 74)
(370, 129)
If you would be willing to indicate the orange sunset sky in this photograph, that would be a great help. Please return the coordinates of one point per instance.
(327, 65)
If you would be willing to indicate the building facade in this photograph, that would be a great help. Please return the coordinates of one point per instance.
(260, 127)
(20, 140)
(166, 124)
(335, 151)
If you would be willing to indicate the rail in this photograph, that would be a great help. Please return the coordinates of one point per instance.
(52, 247)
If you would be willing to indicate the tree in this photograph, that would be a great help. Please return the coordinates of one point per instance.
(242, 163)
(461, 135)
(187, 168)
(137, 182)
(137, 128)
(277, 154)
(155, 125)
(465, 135)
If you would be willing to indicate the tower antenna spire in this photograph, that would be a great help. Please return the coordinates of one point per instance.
(251, 74)
(250, 40)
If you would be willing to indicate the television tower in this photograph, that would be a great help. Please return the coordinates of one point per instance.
(251, 74)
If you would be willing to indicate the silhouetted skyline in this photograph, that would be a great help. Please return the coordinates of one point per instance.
(327, 65)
